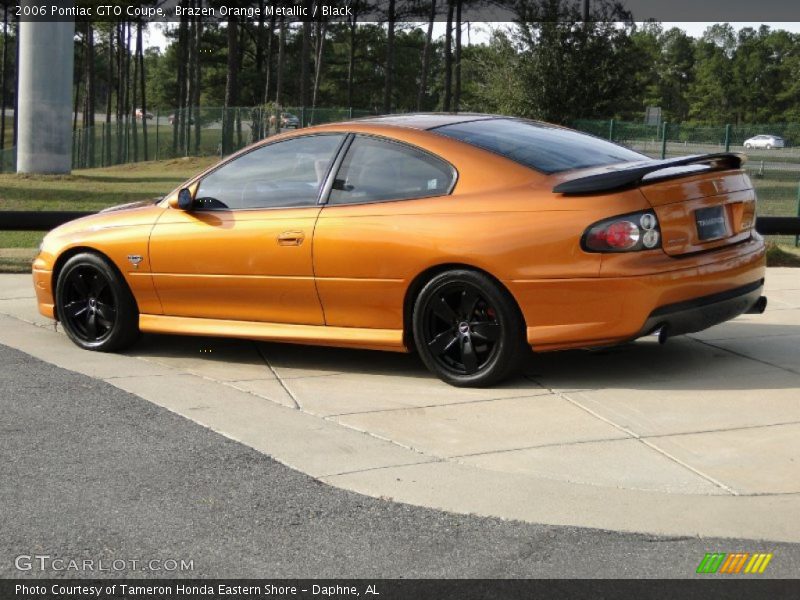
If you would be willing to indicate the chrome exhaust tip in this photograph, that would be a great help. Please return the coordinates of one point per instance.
(759, 306)
(661, 333)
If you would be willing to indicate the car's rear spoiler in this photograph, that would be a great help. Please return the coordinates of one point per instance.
(632, 174)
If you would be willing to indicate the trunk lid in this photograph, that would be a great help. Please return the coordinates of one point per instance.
(703, 211)
(702, 202)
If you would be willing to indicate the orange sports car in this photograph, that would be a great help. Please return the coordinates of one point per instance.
(470, 238)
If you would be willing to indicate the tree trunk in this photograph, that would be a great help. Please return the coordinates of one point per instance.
(388, 87)
(448, 59)
(178, 115)
(89, 120)
(120, 94)
(140, 48)
(81, 150)
(134, 104)
(261, 43)
(240, 63)
(305, 64)
(351, 59)
(318, 63)
(231, 85)
(426, 57)
(281, 61)
(127, 105)
(191, 51)
(16, 80)
(457, 93)
(270, 52)
(76, 104)
(109, 93)
(3, 84)
(197, 75)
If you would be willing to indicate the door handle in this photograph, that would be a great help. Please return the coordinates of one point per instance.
(291, 238)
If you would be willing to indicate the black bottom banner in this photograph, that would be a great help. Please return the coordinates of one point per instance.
(390, 589)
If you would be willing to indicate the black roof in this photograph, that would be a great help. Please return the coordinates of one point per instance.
(428, 120)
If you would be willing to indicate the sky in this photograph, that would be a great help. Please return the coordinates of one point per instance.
(697, 29)
(480, 32)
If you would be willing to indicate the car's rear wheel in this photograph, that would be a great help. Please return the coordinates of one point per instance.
(468, 330)
(769, 146)
(94, 305)
(748, 146)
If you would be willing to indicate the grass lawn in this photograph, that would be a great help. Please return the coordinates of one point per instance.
(83, 190)
(777, 192)
(93, 189)
(782, 255)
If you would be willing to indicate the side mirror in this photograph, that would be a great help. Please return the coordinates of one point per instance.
(183, 201)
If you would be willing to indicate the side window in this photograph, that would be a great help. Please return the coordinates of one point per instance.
(377, 170)
(283, 174)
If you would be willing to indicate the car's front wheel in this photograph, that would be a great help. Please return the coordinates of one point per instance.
(748, 146)
(94, 305)
(467, 330)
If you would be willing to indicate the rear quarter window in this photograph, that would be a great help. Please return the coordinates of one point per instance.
(540, 146)
(380, 170)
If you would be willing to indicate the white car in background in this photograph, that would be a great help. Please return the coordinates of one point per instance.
(764, 141)
(141, 115)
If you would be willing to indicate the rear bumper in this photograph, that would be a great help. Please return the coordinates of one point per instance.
(701, 313)
(600, 311)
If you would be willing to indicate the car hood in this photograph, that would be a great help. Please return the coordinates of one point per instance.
(128, 205)
(125, 215)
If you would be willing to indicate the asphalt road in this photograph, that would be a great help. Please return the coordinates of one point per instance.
(89, 472)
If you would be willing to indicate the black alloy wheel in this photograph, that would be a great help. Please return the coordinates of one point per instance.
(468, 331)
(89, 305)
(95, 307)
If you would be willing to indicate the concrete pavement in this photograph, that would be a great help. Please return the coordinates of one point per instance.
(93, 473)
(698, 437)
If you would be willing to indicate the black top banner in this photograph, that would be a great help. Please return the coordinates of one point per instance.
(407, 10)
(733, 588)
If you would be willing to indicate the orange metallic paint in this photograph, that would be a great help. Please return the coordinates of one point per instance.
(238, 261)
(116, 234)
(236, 273)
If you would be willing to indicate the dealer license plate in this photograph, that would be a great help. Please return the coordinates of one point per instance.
(711, 223)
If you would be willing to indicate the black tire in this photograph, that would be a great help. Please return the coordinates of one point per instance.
(94, 304)
(468, 330)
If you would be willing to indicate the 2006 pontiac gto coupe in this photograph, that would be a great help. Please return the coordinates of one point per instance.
(468, 237)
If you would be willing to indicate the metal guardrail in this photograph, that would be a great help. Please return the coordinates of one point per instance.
(34, 220)
(37, 220)
(778, 225)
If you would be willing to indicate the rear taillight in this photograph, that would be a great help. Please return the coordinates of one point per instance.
(627, 233)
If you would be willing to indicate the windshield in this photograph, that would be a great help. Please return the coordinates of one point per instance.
(543, 147)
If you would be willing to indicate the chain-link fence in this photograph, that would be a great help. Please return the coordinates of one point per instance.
(218, 131)
(774, 170)
(8, 160)
(193, 131)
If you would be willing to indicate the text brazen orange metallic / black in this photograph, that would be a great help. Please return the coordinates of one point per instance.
(468, 237)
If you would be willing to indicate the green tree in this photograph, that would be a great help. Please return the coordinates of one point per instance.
(572, 69)
(712, 94)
